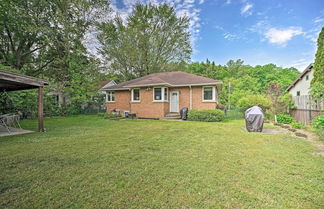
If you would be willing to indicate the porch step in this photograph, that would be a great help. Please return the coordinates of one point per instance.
(172, 116)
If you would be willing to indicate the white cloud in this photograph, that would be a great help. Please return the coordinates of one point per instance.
(318, 20)
(228, 2)
(282, 36)
(302, 63)
(246, 9)
(230, 36)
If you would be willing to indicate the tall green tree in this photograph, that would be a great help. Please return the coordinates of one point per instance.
(151, 38)
(46, 38)
(34, 32)
(317, 84)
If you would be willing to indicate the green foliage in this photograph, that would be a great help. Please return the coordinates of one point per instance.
(152, 38)
(206, 115)
(110, 116)
(254, 100)
(297, 125)
(241, 80)
(317, 83)
(46, 39)
(22, 102)
(318, 122)
(286, 101)
(284, 118)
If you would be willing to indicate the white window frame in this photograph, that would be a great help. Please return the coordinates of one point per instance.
(139, 91)
(109, 96)
(163, 99)
(213, 94)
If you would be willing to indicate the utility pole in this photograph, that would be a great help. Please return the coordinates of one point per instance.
(229, 95)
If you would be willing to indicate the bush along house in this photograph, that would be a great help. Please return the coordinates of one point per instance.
(161, 95)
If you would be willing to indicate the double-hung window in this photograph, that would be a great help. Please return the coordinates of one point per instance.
(135, 95)
(160, 94)
(209, 93)
(110, 96)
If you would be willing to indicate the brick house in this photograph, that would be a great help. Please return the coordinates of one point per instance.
(156, 95)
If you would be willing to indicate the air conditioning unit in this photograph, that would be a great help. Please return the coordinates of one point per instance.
(126, 113)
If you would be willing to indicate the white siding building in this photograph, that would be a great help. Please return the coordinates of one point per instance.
(306, 107)
(301, 86)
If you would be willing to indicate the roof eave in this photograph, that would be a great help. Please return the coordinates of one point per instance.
(162, 84)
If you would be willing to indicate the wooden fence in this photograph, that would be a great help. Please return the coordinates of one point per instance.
(307, 109)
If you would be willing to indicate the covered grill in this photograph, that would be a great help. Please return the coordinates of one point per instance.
(254, 119)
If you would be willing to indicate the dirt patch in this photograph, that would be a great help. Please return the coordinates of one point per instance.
(270, 130)
(307, 135)
(274, 131)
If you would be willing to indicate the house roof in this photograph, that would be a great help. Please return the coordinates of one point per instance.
(102, 83)
(308, 69)
(13, 81)
(166, 78)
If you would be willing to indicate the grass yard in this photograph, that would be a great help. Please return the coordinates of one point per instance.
(89, 162)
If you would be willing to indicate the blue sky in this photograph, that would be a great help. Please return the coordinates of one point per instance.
(257, 31)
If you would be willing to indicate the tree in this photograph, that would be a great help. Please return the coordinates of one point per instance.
(151, 39)
(46, 38)
(34, 33)
(317, 84)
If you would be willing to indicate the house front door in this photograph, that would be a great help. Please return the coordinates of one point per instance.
(174, 101)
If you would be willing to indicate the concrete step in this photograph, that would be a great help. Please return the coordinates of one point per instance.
(172, 116)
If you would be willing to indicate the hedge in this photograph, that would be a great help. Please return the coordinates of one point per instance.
(110, 115)
(206, 115)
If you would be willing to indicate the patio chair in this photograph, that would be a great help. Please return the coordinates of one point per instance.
(10, 120)
(13, 120)
(3, 123)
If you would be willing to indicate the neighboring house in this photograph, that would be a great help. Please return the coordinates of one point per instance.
(97, 101)
(156, 95)
(306, 107)
(105, 84)
(301, 85)
(63, 98)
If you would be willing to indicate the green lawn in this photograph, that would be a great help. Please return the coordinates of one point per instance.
(89, 162)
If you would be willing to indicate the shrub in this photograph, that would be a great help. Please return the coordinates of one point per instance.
(109, 116)
(101, 114)
(318, 122)
(297, 125)
(254, 100)
(206, 115)
(284, 118)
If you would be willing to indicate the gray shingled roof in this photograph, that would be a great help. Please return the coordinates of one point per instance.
(167, 79)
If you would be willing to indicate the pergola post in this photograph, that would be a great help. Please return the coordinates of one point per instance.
(40, 109)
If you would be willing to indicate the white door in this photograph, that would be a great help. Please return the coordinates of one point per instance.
(174, 101)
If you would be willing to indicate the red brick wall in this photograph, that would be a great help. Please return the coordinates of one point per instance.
(197, 100)
(122, 99)
(146, 108)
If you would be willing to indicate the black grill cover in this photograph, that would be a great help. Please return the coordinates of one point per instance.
(254, 119)
(184, 113)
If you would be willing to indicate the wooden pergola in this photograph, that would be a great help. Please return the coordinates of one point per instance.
(12, 82)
